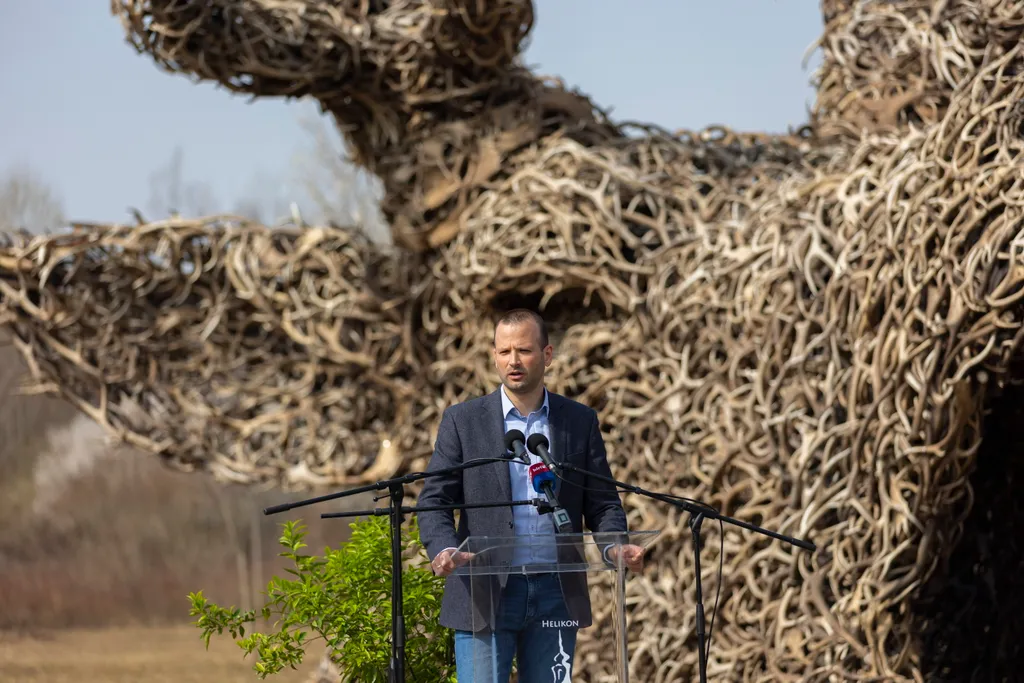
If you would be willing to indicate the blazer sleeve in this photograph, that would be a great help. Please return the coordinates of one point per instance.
(602, 507)
(437, 528)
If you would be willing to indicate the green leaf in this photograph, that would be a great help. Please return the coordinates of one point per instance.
(342, 598)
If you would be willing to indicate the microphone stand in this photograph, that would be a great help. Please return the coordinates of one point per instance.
(397, 512)
(698, 513)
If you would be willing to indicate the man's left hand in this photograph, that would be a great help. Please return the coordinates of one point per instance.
(632, 556)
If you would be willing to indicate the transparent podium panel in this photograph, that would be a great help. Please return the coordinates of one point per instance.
(558, 584)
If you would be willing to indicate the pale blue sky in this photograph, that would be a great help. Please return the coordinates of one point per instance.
(95, 120)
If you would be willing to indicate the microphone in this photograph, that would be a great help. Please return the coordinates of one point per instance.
(514, 440)
(541, 477)
(538, 443)
(543, 482)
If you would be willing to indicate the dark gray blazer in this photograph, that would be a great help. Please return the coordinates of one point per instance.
(476, 429)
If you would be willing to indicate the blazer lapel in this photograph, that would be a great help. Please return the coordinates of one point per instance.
(496, 423)
(559, 434)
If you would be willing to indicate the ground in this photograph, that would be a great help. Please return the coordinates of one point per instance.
(172, 654)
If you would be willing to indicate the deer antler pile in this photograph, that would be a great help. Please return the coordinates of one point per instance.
(801, 330)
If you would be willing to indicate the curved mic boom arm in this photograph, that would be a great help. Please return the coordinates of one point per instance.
(538, 443)
(397, 512)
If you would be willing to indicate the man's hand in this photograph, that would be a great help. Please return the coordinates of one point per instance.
(448, 560)
(632, 556)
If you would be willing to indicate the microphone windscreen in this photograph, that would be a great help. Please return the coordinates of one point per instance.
(539, 475)
(535, 440)
(511, 436)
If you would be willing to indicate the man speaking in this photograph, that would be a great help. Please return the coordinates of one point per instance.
(530, 602)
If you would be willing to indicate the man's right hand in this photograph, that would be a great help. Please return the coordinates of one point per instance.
(448, 560)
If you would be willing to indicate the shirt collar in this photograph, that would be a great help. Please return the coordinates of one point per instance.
(506, 403)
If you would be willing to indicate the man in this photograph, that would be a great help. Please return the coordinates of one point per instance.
(475, 429)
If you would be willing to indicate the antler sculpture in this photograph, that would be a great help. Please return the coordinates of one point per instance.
(802, 330)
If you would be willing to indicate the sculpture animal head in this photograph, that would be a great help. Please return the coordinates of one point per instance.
(429, 94)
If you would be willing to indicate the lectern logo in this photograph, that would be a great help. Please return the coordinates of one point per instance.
(560, 624)
(561, 672)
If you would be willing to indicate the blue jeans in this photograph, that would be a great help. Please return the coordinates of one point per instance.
(531, 624)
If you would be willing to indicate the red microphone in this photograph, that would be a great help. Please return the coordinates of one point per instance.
(539, 476)
(543, 481)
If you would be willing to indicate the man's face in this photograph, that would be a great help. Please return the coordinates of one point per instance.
(519, 358)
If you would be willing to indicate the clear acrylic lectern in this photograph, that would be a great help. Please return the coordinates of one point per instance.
(575, 561)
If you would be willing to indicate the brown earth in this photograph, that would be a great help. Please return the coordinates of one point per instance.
(168, 654)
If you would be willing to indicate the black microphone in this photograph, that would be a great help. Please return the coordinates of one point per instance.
(538, 443)
(514, 440)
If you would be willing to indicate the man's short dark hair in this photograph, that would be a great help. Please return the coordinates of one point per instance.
(522, 315)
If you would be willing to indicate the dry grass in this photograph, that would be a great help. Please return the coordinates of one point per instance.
(125, 542)
(171, 654)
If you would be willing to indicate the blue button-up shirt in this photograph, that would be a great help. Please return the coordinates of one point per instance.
(525, 518)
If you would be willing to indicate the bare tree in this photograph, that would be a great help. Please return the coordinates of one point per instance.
(339, 191)
(266, 200)
(171, 195)
(28, 203)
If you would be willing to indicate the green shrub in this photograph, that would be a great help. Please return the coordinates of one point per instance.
(344, 597)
